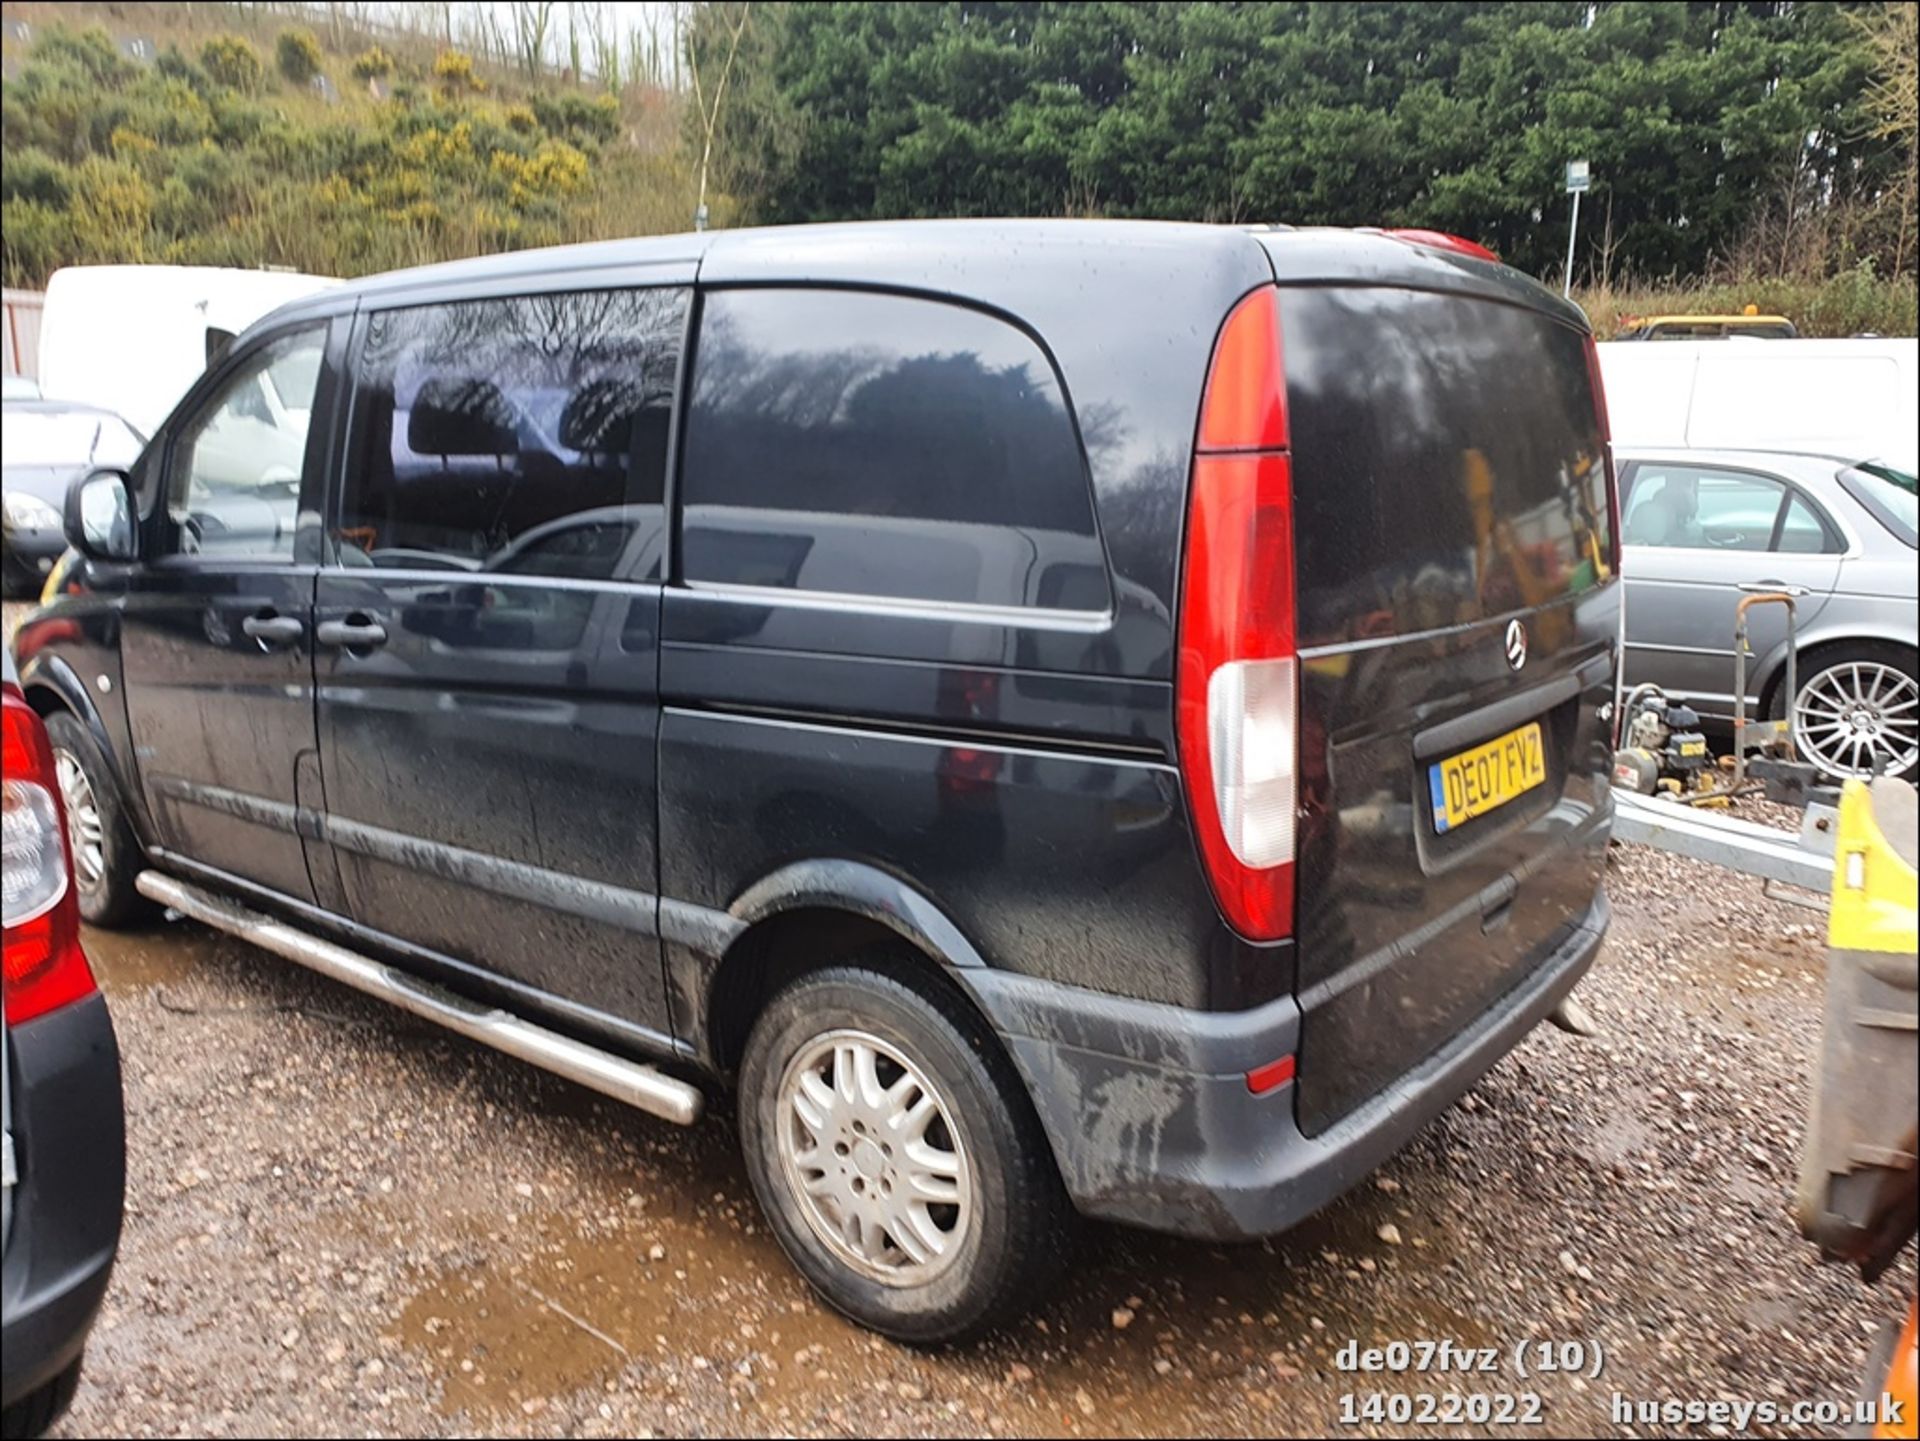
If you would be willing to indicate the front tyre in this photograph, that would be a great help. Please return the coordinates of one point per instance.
(106, 855)
(897, 1157)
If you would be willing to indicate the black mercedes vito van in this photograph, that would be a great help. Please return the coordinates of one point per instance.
(1061, 715)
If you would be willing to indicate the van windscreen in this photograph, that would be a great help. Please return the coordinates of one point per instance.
(1447, 461)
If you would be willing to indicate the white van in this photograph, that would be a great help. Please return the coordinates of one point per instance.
(132, 338)
(1855, 398)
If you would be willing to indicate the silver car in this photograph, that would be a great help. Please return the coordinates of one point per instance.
(1696, 525)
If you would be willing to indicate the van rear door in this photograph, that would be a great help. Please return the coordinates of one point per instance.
(1456, 623)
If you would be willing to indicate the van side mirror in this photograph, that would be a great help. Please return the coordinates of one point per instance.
(99, 516)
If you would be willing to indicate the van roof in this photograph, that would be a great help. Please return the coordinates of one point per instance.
(974, 257)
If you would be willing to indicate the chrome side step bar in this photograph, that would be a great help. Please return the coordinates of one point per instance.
(639, 1086)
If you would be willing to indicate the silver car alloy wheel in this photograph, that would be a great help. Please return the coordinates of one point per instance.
(868, 1146)
(1859, 718)
(83, 820)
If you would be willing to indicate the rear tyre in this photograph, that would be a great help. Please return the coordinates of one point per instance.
(897, 1156)
(33, 1413)
(106, 856)
(1858, 711)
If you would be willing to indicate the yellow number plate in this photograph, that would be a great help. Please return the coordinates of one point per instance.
(1487, 777)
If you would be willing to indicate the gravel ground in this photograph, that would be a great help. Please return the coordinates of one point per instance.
(340, 1220)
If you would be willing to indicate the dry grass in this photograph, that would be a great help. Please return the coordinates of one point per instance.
(1852, 303)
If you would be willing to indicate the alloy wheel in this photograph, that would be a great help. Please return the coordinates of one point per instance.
(83, 820)
(1859, 718)
(868, 1146)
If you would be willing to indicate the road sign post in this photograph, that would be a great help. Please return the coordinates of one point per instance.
(1579, 174)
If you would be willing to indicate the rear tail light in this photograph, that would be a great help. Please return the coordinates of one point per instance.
(1440, 240)
(1606, 453)
(44, 967)
(1238, 686)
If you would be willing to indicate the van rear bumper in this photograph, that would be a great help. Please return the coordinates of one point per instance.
(69, 1131)
(1151, 1121)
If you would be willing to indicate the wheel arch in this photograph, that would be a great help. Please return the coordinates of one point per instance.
(810, 915)
(1812, 648)
(51, 685)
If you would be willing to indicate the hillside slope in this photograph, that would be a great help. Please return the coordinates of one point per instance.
(253, 148)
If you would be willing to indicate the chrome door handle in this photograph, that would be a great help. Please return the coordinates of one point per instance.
(272, 630)
(354, 633)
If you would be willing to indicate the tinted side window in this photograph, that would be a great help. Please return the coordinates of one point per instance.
(883, 446)
(524, 436)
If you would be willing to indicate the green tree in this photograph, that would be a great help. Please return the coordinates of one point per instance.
(1701, 119)
(1892, 35)
(756, 131)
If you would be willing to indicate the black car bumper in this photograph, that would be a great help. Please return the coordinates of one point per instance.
(70, 1148)
(1152, 1121)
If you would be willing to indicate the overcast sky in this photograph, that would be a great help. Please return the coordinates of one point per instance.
(630, 18)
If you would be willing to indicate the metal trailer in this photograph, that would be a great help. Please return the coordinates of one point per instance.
(1674, 823)
(1774, 855)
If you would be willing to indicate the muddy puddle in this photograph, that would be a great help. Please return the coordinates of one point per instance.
(588, 1311)
(685, 1292)
(128, 962)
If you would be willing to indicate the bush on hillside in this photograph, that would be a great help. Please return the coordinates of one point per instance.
(91, 51)
(373, 63)
(590, 117)
(453, 71)
(297, 54)
(176, 164)
(232, 62)
(37, 176)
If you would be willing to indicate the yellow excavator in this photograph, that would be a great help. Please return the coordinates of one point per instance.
(1857, 1196)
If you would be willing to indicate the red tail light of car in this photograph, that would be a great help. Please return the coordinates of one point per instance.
(44, 967)
(1237, 697)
